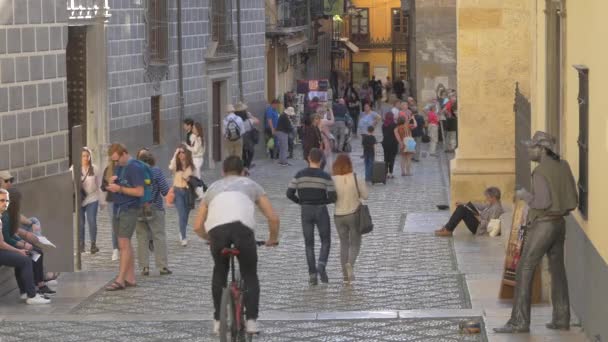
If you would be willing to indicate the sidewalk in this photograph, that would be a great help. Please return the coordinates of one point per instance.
(410, 285)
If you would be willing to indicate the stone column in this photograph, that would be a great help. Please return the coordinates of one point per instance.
(494, 52)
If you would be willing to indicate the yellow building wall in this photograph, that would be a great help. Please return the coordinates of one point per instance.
(584, 24)
(380, 22)
(494, 52)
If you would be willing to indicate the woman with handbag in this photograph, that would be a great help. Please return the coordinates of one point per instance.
(198, 150)
(350, 190)
(182, 167)
(407, 145)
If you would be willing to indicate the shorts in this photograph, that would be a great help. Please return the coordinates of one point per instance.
(124, 222)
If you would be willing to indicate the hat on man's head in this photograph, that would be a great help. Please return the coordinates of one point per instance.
(230, 108)
(240, 106)
(541, 139)
(5, 175)
(290, 111)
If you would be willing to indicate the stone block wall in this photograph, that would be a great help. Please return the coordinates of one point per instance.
(253, 30)
(33, 100)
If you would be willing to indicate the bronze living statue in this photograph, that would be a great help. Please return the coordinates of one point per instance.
(552, 198)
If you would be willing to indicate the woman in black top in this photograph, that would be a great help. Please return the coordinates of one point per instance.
(312, 135)
(284, 128)
(390, 145)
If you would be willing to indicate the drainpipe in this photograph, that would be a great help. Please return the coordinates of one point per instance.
(412, 51)
(239, 54)
(180, 69)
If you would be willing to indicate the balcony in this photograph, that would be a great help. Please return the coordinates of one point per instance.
(87, 10)
(365, 42)
(286, 17)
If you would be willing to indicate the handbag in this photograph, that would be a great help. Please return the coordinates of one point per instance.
(410, 144)
(494, 227)
(365, 218)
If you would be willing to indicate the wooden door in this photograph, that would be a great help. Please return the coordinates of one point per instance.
(76, 72)
(217, 120)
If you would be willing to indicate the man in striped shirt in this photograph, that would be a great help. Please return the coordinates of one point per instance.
(151, 235)
(313, 189)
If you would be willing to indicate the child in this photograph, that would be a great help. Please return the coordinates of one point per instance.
(369, 142)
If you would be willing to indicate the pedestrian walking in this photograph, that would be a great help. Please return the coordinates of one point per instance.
(399, 88)
(90, 181)
(350, 189)
(150, 228)
(403, 131)
(233, 131)
(553, 197)
(226, 217)
(312, 137)
(340, 127)
(106, 202)
(327, 122)
(368, 118)
(390, 144)
(19, 259)
(354, 104)
(313, 189)
(417, 121)
(369, 152)
(127, 186)
(433, 127)
(271, 119)
(283, 130)
(250, 133)
(182, 167)
(188, 126)
(197, 148)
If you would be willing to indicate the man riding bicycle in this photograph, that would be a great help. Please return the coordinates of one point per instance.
(226, 217)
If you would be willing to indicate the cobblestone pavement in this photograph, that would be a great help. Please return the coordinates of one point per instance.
(396, 270)
(275, 331)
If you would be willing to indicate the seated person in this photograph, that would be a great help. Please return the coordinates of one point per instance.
(20, 260)
(476, 216)
(23, 240)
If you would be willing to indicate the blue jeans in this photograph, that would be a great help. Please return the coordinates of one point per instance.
(89, 212)
(316, 215)
(183, 210)
(369, 164)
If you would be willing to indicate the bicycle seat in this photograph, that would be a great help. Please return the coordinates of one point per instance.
(230, 252)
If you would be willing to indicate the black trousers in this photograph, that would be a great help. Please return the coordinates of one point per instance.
(390, 153)
(248, 155)
(23, 270)
(354, 114)
(463, 214)
(244, 240)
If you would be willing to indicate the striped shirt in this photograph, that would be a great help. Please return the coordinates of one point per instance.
(312, 186)
(160, 187)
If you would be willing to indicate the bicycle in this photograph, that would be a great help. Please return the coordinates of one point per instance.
(232, 308)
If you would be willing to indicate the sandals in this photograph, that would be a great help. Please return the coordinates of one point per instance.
(115, 286)
(127, 284)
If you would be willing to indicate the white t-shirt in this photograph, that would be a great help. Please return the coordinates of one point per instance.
(232, 199)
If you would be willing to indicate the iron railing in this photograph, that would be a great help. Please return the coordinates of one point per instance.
(221, 27)
(365, 42)
(288, 14)
(87, 9)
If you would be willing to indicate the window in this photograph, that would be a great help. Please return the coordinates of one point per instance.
(359, 25)
(155, 110)
(158, 33)
(583, 139)
(221, 25)
(400, 25)
(360, 72)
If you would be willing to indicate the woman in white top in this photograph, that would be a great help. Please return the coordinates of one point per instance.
(327, 121)
(90, 181)
(196, 146)
(350, 189)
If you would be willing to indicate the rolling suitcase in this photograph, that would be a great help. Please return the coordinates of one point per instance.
(379, 172)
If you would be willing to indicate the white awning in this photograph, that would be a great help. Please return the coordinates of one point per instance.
(295, 45)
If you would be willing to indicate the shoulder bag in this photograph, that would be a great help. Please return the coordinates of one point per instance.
(365, 218)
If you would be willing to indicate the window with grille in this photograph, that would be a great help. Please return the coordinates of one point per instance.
(400, 26)
(359, 25)
(155, 110)
(158, 32)
(221, 25)
(583, 139)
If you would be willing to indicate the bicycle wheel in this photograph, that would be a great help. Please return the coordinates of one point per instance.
(227, 324)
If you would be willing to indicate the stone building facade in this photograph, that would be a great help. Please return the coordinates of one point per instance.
(33, 103)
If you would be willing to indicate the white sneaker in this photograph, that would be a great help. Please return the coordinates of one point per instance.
(216, 327)
(184, 242)
(38, 300)
(52, 282)
(23, 296)
(115, 255)
(251, 326)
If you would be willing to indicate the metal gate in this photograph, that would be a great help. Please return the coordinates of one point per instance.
(76, 72)
(522, 110)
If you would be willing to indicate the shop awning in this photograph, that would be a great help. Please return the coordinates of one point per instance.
(295, 44)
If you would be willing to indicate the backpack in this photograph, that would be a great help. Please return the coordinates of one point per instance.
(233, 132)
(147, 197)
